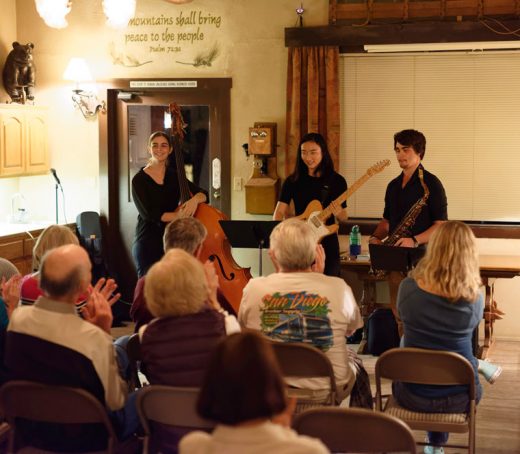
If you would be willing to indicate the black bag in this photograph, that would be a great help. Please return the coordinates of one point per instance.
(382, 332)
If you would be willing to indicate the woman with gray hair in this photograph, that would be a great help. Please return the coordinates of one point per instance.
(176, 345)
(181, 293)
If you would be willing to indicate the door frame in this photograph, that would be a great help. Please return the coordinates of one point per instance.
(219, 91)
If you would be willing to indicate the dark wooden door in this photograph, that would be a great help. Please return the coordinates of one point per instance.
(205, 150)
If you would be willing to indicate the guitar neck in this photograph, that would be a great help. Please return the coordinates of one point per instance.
(327, 212)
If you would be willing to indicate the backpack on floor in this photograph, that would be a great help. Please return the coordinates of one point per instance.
(382, 332)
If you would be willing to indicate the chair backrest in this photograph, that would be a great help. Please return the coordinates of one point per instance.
(89, 224)
(133, 351)
(304, 361)
(171, 405)
(53, 404)
(422, 366)
(436, 367)
(355, 430)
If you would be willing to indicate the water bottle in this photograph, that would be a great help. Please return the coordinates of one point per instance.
(355, 241)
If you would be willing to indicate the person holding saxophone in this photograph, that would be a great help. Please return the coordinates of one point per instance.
(415, 204)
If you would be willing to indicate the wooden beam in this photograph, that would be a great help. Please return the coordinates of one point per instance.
(422, 9)
(351, 38)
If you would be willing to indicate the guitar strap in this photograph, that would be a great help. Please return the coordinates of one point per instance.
(325, 190)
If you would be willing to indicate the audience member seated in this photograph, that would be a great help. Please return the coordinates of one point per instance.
(10, 282)
(181, 292)
(52, 237)
(175, 347)
(187, 234)
(297, 304)
(48, 343)
(440, 304)
(244, 393)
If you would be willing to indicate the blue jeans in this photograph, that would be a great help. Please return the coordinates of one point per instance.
(122, 357)
(457, 403)
(126, 419)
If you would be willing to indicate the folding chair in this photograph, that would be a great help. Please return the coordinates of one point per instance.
(355, 430)
(171, 406)
(431, 367)
(53, 404)
(304, 361)
(133, 351)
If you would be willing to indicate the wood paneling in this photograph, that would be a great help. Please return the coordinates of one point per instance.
(351, 38)
(511, 231)
(421, 9)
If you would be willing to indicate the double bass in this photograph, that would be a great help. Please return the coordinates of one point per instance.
(232, 278)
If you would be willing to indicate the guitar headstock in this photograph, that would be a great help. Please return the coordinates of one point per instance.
(378, 167)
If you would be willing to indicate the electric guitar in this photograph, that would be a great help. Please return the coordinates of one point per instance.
(316, 216)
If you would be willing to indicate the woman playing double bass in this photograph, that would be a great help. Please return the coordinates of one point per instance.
(156, 194)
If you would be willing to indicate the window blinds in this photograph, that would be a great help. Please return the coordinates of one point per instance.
(468, 107)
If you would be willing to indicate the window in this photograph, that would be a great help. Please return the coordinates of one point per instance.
(468, 107)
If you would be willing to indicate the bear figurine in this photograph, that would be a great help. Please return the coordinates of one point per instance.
(19, 73)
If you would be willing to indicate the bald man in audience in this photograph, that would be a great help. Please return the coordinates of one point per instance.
(187, 234)
(50, 344)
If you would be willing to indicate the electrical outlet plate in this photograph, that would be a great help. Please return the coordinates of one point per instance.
(237, 184)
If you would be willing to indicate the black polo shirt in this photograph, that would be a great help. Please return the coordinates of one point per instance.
(399, 200)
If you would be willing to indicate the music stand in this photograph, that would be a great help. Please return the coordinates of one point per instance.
(392, 258)
(249, 234)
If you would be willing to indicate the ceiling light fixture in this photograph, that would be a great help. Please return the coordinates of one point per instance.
(53, 12)
(119, 12)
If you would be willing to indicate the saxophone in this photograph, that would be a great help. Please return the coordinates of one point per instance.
(403, 229)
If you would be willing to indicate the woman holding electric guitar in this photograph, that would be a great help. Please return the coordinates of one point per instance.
(156, 194)
(314, 178)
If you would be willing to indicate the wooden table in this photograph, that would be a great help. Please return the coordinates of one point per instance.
(492, 267)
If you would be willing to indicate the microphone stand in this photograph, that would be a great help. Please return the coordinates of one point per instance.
(56, 201)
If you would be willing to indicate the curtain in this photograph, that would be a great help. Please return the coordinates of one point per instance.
(312, 99)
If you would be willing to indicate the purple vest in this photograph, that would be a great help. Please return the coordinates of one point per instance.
(176, 350)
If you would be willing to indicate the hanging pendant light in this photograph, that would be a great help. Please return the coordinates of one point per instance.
(119, 12)
(53, 12)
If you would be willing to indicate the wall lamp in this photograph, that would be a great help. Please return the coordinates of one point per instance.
(86, 101)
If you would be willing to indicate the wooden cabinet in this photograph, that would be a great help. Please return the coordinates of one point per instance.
(23, 140)
(18, 250)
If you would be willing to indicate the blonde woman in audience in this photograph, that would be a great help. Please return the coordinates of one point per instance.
(54, 236)
(244, 393)
(440, 304)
